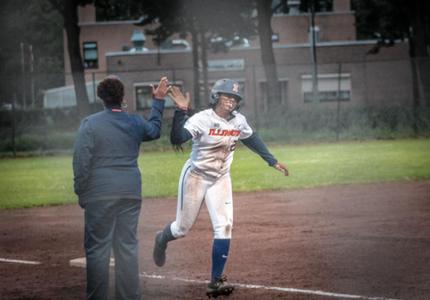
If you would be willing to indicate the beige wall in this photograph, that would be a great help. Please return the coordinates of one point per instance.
(87, 13)
(112, 36)
(341, 5)
(375, 79)
(333, 27)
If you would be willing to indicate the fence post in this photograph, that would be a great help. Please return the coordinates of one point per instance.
(254, 92)
(93, 75)
(24, 100)
(339, 80)
(13, 126)
(415, 95)
(33, 100)
(173, 74)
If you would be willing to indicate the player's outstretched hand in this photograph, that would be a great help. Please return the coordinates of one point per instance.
(181, 101)
(282, 168)
(162, 89)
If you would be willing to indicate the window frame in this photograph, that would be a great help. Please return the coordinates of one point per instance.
(262, 92)
(326, 94)
(90, 63)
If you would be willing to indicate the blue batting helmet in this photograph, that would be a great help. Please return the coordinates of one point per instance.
(225, 86)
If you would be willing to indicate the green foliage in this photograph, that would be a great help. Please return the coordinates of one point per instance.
(36, 142)
(33, 23)
(353, 123)
(391, 20)
(382, 19)
(305, 126)
(42, 181)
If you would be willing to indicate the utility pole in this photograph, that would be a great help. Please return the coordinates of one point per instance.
(33, 101)
(24, 100)
(314, 54)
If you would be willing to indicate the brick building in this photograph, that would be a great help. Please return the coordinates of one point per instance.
(346, 72)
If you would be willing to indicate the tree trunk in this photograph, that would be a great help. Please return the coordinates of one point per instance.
(70, 15)
(267, 56)
(419, 28)
(419, 52)
(196, 75)
(204, 58)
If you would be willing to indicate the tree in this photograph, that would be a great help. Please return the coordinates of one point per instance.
(69, 10)
(391, 20)
(35, 25)
(264, 11)
(202, 21)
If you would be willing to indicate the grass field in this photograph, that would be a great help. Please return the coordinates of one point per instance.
(37, 181)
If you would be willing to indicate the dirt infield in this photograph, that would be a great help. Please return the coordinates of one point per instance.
(369, 240)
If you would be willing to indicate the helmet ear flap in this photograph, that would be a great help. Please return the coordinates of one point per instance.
(214, 98)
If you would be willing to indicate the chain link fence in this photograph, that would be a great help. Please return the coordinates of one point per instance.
(354, 100)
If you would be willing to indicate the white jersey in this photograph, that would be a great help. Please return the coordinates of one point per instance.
(214, 141)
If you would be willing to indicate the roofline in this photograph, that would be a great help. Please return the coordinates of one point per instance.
(149, 51)
(325, 13)
(302, 45)
(135, 22)
(328, 44)
(104, 23)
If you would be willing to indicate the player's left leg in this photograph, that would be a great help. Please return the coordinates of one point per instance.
(219, 202)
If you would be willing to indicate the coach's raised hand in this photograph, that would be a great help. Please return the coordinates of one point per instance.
(181, 101)
(162, 89)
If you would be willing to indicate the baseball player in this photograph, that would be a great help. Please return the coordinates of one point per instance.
(206, 174)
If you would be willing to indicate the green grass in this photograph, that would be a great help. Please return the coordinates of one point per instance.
(37, 181)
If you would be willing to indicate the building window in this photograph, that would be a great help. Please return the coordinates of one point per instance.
(90, 55)
(264, 103)
(331, 87)
(143, 95)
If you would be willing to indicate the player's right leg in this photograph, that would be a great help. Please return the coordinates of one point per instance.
(191, 192)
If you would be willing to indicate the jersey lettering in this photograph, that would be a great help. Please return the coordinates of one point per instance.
(223, 132)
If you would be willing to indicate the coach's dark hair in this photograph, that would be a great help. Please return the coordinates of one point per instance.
(111, 91)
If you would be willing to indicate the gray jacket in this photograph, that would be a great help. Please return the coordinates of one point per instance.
(106, 152)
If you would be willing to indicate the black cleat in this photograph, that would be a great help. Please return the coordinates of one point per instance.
(219, 287)
(159, 253)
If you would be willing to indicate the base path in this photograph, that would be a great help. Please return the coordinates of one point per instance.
(366, 241)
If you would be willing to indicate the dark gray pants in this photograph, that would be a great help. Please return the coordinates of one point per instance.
(112, 224)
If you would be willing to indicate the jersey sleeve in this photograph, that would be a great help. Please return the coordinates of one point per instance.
(195, 125)
(178, 134)
(245, 129)
(257, 145)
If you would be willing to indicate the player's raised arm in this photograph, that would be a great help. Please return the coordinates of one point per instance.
(178, 134)
(182, 102)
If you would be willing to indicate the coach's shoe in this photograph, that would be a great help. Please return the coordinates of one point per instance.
(219, 287)
(159, 253)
